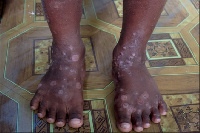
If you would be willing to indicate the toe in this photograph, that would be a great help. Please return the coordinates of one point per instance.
(35, 102)
(146, 119)
(155, 115)
(51, 114)
(123, 121)
(60, 118)
(76, 117)
(162, 107)
(137, 122)
(41, 111)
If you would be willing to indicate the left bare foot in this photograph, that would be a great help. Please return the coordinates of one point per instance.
(137, 97)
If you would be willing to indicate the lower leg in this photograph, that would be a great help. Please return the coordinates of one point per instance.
(60, 90)
(137, 96)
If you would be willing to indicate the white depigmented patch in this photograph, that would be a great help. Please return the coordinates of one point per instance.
(124, 97)
(53, 83)
(134, 34)
(78, 85)
(72, 71)
(125, 105)
(124, 48)
(145, 95)
(131, 109)
(70, 47)
(148, 105)
(39, 85)
(75, 57)
(60, 92)
(121, 89)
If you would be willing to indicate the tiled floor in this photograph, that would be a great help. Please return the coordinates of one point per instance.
(172, 59)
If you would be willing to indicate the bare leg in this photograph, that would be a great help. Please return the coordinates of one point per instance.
(60, 91)
(137, 97)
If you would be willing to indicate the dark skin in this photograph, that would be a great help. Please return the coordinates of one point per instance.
(137, 99)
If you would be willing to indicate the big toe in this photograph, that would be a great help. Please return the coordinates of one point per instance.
(123, 121)
(125, 127)
(162, 107)
(76, 117)
(75, 123)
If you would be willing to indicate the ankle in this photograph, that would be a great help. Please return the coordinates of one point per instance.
(129, 56)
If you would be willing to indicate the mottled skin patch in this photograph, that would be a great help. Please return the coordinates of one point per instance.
(53, 83)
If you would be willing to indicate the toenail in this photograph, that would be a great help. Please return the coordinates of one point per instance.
(157, 120)
(60, 124)
(33, 107)
(75, 121)
(147, 125)
(164, 113)
(125, 125)
(138, 129)
(40, 115)
(50, 120)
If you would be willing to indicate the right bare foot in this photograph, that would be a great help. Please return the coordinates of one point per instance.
(60, 91)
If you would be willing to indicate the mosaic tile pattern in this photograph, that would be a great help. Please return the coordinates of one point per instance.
(183, 113)
(168, 50)
(161, 49)
(8, 112)
(42, 58)
(195, 3)
(40, 125)
(187, 117)
(195, 33)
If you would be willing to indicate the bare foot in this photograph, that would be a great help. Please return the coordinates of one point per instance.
(137, 99)
(60, 91)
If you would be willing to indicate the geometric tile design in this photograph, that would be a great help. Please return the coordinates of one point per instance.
(187, 117)
(42, 52)
(166, 62)
(40, 125)
(100, 121)
(182, 48)
(119, 7)
(8, 114)
(168, 49)
(42, 55)
(195, 33)
(39, 13)
(161, 49)
(183, 113)
(95, 119)
(195, 3)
